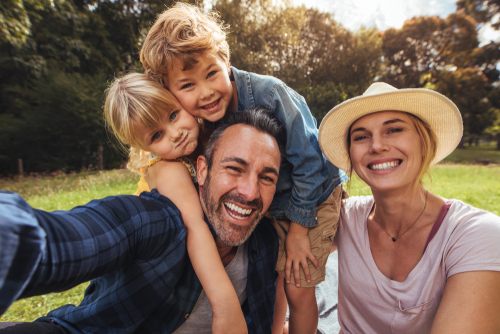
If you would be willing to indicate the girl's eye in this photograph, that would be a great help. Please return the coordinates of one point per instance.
(173, 115)
(187, 86)
(156, 136)
(211, 74)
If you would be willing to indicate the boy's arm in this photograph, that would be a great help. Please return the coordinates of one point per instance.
(62, 249)
(174, 181)
(310, 168)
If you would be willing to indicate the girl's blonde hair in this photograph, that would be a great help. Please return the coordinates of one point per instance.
(132, 100)
(428, 141)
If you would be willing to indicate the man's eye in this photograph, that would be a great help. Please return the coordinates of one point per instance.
(211, 74)
(268, 179)
(173, 115)
(156, 136)
(187, 86)
(236, 169)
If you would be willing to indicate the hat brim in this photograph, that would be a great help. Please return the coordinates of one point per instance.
(435, 109)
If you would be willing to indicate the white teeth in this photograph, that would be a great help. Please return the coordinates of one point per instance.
(385, 165)
(236, 208)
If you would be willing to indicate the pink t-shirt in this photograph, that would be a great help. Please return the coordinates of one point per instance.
(369, 302)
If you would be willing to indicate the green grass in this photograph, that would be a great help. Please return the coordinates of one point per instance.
(485, 151)
(473, 184)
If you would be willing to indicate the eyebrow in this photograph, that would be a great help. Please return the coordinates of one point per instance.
(391, 121)
(242, 162)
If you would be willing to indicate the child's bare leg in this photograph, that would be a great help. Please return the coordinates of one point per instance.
(281, 305)
(303, 309)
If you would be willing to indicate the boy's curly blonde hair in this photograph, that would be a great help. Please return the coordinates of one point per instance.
(182, 32)
(132, 100)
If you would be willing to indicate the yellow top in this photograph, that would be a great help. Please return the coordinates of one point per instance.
(142, 185)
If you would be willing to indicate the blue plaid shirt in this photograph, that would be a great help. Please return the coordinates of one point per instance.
(133, 247)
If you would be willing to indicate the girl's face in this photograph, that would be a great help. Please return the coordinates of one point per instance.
(386, 151)
(176, 135)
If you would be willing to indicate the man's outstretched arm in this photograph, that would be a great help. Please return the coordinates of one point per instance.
(42, 252)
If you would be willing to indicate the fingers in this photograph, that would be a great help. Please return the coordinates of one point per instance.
(288, 269)
(296, 273)
(313, 260)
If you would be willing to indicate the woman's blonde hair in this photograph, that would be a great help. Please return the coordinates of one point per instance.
(428, 142)
(132, 100)
(182, 32)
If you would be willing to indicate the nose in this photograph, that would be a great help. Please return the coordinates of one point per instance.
(249, 187)
(206, 91)
(176, 134)
(378, 144)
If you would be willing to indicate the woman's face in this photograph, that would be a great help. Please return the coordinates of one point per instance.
(386, 151)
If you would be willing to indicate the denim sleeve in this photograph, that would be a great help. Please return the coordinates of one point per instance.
(303, 152)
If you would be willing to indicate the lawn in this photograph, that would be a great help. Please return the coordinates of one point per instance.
(473, 184)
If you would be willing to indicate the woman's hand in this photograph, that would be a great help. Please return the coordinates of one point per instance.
(470, 304)
(298, 251)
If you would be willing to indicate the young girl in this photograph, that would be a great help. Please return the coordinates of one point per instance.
(163, 137)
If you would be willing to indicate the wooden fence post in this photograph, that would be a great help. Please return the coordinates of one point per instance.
(100, 149)
(20, 167)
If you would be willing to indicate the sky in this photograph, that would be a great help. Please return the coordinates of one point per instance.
(385, 14)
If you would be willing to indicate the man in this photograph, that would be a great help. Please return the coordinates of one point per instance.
(134, 247)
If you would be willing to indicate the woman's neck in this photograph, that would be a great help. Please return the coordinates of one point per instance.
(396, 210)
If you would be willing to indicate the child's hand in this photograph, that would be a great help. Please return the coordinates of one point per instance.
(298, 250)
(228, 319)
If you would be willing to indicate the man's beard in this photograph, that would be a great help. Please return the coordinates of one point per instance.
(231, 234)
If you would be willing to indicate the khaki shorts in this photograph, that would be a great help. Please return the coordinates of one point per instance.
(320, 236)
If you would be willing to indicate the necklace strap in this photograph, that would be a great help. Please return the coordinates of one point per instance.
(394, 239)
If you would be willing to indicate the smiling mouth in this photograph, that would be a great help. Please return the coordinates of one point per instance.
(211, 105)
(237, 212)
(385, 165)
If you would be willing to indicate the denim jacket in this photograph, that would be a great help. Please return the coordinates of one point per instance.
(306, 177)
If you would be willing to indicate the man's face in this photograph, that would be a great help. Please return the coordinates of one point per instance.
(240, 186)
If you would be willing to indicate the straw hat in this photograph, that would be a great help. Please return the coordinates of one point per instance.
(433, 108)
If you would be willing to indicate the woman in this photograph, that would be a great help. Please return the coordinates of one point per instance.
(409, 261)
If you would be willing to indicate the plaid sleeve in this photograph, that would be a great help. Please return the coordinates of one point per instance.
(22, 242)
(103, 236)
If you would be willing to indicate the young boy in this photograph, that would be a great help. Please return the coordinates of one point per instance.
(186, 50)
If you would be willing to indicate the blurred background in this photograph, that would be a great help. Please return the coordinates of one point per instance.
(58, 56)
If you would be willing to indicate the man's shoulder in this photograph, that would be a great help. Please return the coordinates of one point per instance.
(265, 233)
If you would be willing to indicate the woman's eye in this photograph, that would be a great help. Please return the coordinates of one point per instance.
(394, 130)
(357, 138)
(173, 115)
(187, 86)
(211, 74)
(156, 136)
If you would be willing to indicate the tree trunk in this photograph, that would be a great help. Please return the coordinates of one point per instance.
(20, 167)
(498, 141)
(99, 157)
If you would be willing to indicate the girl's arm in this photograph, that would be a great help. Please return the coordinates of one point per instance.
(470, 304)
(172, 179)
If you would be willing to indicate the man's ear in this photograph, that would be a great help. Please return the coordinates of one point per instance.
(202, 170)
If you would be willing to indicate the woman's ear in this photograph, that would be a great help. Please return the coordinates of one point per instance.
(202, 170)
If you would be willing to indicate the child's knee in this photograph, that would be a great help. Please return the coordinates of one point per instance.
(299, 297)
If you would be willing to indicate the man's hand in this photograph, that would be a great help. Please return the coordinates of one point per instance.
(298, 250)
(228, 319)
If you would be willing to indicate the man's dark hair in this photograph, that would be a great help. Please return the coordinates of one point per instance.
(260, 118)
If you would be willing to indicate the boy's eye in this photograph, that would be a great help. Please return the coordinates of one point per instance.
(211, 74)
(156, 136)
(187, 86)
(173, 115)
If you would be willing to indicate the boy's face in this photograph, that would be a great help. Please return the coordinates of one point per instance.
(205, 90)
